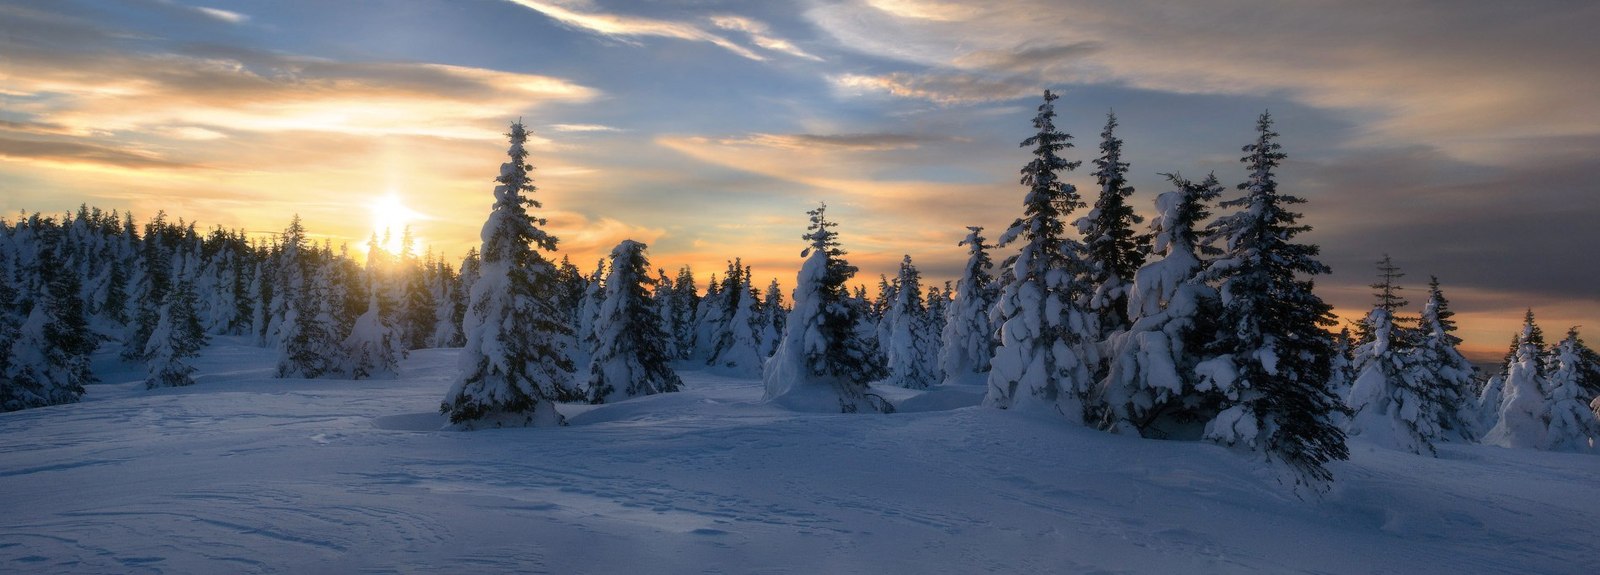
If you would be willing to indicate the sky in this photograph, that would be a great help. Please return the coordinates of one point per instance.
(1460, 137)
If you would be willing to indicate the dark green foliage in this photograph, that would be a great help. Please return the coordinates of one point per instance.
(1270, 312)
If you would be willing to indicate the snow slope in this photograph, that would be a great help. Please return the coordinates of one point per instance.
(244, 473)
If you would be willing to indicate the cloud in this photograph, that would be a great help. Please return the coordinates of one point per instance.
(583, 128)
(761, 35)
(228, 16)
(74, 153)
(939, 88)
(622, 27)
(1462, 76)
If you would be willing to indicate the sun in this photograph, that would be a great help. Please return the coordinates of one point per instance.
(390, 216)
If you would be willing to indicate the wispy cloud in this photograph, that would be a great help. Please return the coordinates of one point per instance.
(583, 128)
(623, 27)
(942, 88)
(228, 16)
(761, 35)
(584, 16)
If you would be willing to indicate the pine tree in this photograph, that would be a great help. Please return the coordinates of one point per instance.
(910, 349)
(372, 348)
(1450, 373)
(1274, 356)
(968, 338)
(1393, 399)
(1571, 424)
(513, 367)
(1150, 387)
(48, 360)
(1046, 356)
(685, 308)
(665, 299)
(1519, 415)
(1113, 252)
(824, 362)
(631, 358)
(773, 316)
(312, 344)
(177, 338)
(737, 348)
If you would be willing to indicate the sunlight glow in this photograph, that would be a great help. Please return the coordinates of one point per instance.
(390, 216)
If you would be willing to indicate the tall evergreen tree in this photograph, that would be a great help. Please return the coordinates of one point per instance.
(968, 338)
(824, 362)
(1113, 251)
(737, 338)
(1150, 387)
(1274, 355)
(177, 338)
(1046, 357)
(48, 360)
(1571, 425)
(631, 357)
(1450, 373)
(1519, 415)
(774, 313)
(1394, 399)
(373, 348)
(513, 367)
(910, 349)
(685, 308)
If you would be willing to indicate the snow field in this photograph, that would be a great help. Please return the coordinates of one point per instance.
(245, 473)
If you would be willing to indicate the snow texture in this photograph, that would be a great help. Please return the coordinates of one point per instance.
(247, 473)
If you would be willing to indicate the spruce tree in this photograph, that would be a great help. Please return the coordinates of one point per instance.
(373, 348)
(1449, 372)
(774, 313)
(1274, 356)
(968, 339)
(910, 348)
(177, 338)
(1113, 251)
(1394, 400)
(685, 308)
(824, 362)
(1571, 424)
(631, 357)
(513, 367)
(1519, 416)
(737, 348)
(1150, 387)
(48, 360)
(1046, 356)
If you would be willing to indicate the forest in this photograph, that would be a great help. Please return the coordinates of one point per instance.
(1200, 325)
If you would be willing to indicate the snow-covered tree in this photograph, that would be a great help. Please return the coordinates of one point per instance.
(312, 342)
(1393, 400)
(685, 306)
(1150, 387)
(968, 337)
(824, 362)
(372, 348)
(1047, 352)
(1520, 414)
(48, 360)
(1272, 361)
(177, 338)
(594, 296)
(1571, 424)
(1113, 251)
(773, 313)
(911, 348)
(514, 367)
(631, 356)
(737, 339)
(1451, 373)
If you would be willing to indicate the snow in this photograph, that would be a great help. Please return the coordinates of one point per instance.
(246, 473)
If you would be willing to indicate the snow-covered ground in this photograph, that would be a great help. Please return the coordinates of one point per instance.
(245, 473)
